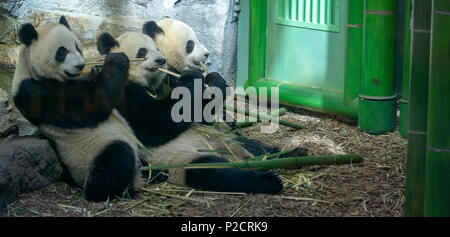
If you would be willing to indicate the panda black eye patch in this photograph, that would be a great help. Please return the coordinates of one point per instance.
(61, 54)
(142, 53)
(190, 46)
(78, 49)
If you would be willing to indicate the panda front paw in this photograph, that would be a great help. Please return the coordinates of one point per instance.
(189, 76)
(216, 80)
(115, 74)
(117, 61)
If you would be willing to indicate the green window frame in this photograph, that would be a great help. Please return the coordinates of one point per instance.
(311, 14)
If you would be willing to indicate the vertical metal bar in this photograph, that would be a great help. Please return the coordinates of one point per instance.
(294, 14)
(308, 11)
(287, 9)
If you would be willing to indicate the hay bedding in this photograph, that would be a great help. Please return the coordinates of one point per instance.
(373, 188)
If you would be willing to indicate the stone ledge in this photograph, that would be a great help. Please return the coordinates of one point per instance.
(26, 164)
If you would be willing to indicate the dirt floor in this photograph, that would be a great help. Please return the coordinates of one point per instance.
(372, 188)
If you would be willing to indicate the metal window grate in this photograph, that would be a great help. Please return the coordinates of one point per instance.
(311, 14)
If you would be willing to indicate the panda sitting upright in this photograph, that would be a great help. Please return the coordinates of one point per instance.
(77, 112)
(179, 143)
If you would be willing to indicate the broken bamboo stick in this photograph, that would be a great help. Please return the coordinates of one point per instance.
(293, 162)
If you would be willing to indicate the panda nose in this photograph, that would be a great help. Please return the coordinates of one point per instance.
(80, 67)
(161, 61)
(206, 55)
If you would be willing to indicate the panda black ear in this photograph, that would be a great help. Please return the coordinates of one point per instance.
(105, 43)
(27, 34)
(63, 21)
(152, 29)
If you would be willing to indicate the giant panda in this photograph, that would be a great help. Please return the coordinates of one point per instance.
(183, 50)
(180, 45)
(178, 42)
(77, 112)
(179, 143)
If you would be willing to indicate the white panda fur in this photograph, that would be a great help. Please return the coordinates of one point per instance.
(172, 143)
(85, 135)
(78, 148)
(172, 37)
(145, 73)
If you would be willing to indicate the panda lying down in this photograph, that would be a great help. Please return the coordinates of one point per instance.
(78, 113)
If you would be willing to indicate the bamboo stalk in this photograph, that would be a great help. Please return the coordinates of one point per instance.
(437, 182)
(169, 72)
(247, 122)
(352, 83)
(217, 151)
(418, 107)
(176, 196)
(204, 67)
(377, 107)
(404, 100)
(98, 63)
(258, 39)
(293, 162)
(265, 116)
(268, 156)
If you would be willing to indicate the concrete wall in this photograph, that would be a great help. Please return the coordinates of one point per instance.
(210, 19)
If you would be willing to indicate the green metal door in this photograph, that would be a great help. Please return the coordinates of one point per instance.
(304, 52)
(304, 45)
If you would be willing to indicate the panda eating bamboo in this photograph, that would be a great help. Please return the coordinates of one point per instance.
(182, 143)
(92, 137)
(77, 112)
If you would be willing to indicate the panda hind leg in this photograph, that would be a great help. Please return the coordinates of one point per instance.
(231, 180)
(257, 148)
(112, 173)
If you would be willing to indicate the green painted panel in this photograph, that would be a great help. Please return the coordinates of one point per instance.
(258, 41)
(307, 97)
(243, 44)
(354, 50)
(311, 14)
(307, 57)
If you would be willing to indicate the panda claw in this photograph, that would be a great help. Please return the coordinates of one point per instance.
(270, 182)
(119, 60)
(215, 80)
(187, 78)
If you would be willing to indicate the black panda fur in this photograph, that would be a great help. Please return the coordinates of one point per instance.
(151, 120)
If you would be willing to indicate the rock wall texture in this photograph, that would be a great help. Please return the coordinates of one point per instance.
(26, 164)
(210, 19)
(11, 121)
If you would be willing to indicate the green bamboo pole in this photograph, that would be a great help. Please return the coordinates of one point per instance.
(268, 156)
(258, 25)
(354, 50)
(293, 162)
(377, 107)
(403, 128)
(265, 116)
(248, 122)
(418, 104)
(437, 181)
